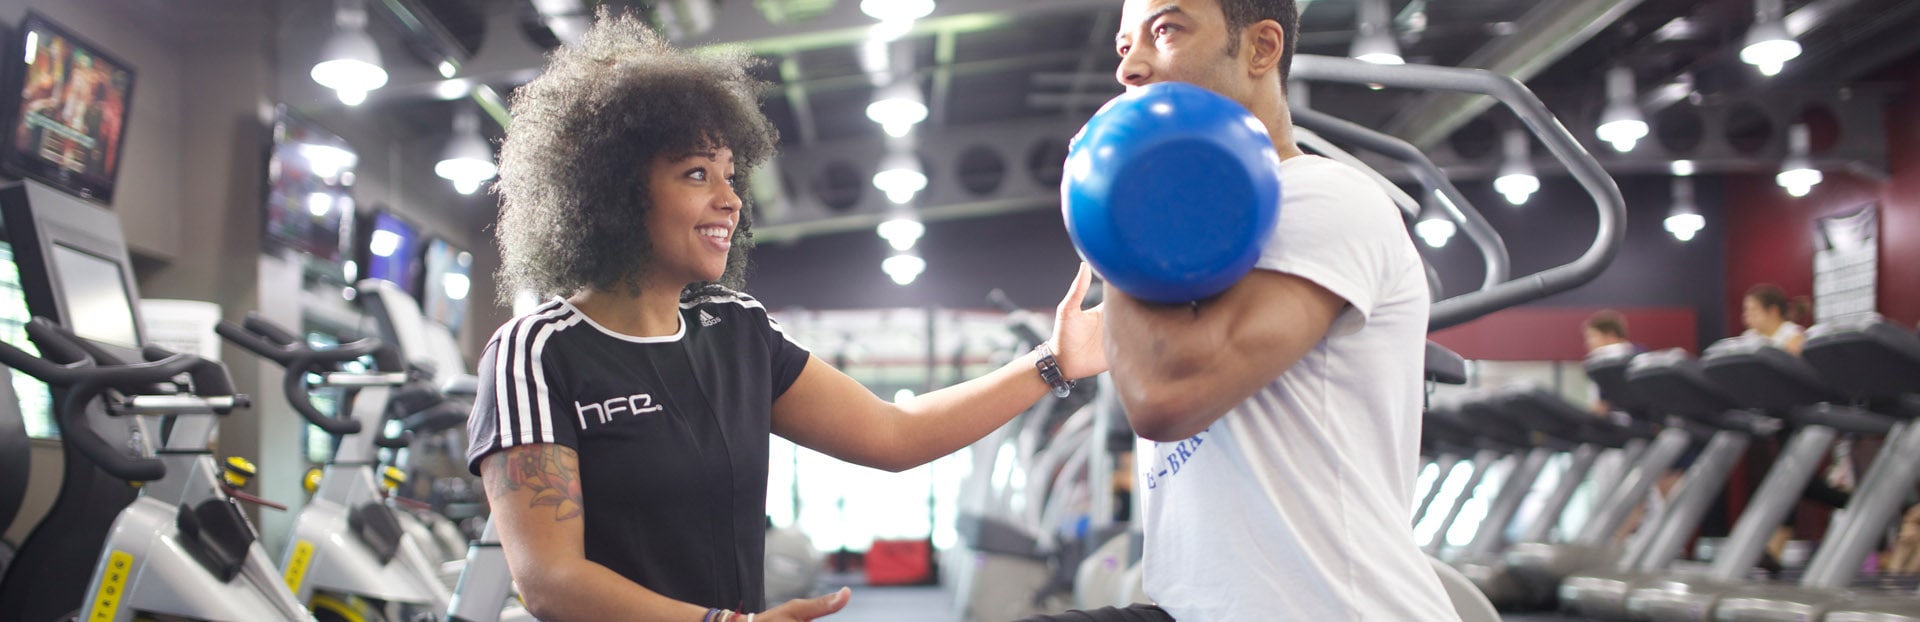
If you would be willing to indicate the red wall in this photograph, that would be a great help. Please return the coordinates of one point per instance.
(1770, 235)
(1554, 333)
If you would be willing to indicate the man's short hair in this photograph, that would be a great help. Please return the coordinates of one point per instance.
(1244, 13)
(1608, 322)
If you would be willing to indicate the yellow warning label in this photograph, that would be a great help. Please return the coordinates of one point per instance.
(113, 586)
(297, 564)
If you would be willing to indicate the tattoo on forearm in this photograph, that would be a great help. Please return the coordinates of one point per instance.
(539, 470)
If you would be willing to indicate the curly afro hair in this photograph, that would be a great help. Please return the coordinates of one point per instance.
(573, 167)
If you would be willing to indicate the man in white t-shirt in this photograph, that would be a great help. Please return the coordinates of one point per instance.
(1280, 419)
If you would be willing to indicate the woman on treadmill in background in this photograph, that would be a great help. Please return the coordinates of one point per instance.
(621, 429)
(1769, 313)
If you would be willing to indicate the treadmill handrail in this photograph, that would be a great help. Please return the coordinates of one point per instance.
(1611, 206)
(1493, 250)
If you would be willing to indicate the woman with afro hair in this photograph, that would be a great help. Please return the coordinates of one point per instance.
(621, 429)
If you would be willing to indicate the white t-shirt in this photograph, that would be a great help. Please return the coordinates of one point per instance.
(1295, 505)
(1786, 332)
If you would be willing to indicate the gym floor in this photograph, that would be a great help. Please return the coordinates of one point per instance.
(930, 603)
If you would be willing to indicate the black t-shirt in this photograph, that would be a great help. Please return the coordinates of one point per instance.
(671, 433)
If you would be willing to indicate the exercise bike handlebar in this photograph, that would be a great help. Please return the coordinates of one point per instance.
(271, 342)
(1019, 320)
(86, 381)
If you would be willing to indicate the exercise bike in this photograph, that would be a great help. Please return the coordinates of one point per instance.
(350, 557)
(182, 549)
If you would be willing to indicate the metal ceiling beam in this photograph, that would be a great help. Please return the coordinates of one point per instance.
(944, 48)
(742, 24)
(796, 91)
(1545, 34)
(1099, 40)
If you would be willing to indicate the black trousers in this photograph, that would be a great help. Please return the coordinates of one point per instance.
(1135, 613)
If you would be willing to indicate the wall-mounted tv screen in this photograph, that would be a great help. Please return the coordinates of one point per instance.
(392, 251)
(72, 119)
(443, 293)
(309, 205)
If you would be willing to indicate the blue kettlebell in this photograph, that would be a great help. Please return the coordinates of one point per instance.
(1171, 191)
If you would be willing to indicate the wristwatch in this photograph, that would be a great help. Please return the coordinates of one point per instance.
(1050, 371)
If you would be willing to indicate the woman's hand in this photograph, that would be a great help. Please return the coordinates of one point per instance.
(804, 609)
(1078, 336)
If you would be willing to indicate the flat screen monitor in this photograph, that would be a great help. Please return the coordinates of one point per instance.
(443, 293)
(72, 119)
(68, 264)
(309, 204)
(392, 251)
(98, 307)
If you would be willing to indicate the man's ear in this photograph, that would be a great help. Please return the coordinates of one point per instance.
(1266, 43)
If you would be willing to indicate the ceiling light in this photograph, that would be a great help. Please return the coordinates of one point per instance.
(319, 203)
(903, 268)
(902, 232)
(900, 176)
(897, 108)
(447, 69)
(1516, 181)
(1621, 123)
(1682, 168)
(467, 161)
(450, 90)
(1768, 45)
(1435, 230)
(890, 30)
(1378, 48)
(1374, 41)
(895, 10)
(1435, 227)
(1684, 220)
(350, 60)
(456, 285)
(384, 243)
(1797, 174)
(327, 160)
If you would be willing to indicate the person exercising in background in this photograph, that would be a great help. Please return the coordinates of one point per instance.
(1768, 313)
(621, 429)
(1606, 335)
(1280, 419)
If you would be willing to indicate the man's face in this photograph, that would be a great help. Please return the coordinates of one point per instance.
(1182, 41)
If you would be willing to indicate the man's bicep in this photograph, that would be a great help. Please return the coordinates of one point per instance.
(1276, 318)
(1180, 370)
(536, 500)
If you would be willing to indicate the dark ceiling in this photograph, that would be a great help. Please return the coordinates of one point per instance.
(986, 64)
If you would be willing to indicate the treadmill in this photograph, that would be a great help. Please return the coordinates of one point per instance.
(1584, 437)
(1539, 566)
(1760, 377)
(1676, 384)
(1502, 453)
(1534, 448)
(1876, 363)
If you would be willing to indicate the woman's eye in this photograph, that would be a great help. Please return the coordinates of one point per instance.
(698, 174)
(733, 180)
